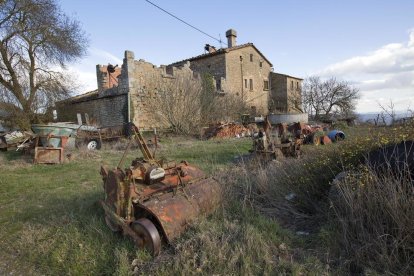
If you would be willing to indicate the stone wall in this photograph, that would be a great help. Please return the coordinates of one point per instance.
(278, 93)
(286, 94)
(234, 76)
(214, 65)
(106, 111)
(106, 106)
(138, 80)
(241, 71)
(294, 95)
(239, 74)
(144, 80)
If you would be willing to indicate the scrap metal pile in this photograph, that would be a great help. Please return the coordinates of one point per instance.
(16, 139)
(283, 140)
(225, 130)
(276, 142)
(47, 142)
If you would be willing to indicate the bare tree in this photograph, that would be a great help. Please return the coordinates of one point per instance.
(36, 42)
(186, 104)
(388, 111)
(328, 97)
(176, 103)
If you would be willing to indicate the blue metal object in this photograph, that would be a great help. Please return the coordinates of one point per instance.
(336, 135)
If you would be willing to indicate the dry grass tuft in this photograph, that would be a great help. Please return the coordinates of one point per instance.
(375, 214)
(82, 153)
(235, 241)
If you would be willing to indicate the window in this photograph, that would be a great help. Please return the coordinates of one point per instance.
(261, 64)
(265, 85)
(297, 85)
(251, 57)
(291, 84)
(251, 84)
(218, 85)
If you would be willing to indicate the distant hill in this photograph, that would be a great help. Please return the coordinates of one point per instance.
(363, 117)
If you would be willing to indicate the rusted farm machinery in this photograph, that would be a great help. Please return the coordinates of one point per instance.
(153, 201)
(276, 142)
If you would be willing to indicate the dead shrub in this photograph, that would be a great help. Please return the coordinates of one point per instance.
(187, 104)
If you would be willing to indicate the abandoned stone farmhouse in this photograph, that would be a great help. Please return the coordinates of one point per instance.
(241, 70)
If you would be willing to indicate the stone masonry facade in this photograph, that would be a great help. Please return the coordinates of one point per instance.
(124, 100)
(286, 94)
(242, 70)
(106, 106)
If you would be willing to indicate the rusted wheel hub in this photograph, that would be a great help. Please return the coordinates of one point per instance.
(147, 231)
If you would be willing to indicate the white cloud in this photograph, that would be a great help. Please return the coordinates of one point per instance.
(106, 56)
(86, 80)
(382, 75)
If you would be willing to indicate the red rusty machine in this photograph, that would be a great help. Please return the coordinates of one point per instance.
(153, 201)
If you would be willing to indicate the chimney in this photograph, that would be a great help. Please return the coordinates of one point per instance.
(231, 38)
(210, 49)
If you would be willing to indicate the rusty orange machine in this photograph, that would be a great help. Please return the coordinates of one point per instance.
(152, 201)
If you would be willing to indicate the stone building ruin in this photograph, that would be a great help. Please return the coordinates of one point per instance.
(241, 70)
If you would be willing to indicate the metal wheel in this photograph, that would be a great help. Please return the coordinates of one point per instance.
(147, 231)
(114, 227)
(316, 140)
(92, 145)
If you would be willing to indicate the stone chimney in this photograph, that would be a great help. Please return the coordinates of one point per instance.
(231, 38)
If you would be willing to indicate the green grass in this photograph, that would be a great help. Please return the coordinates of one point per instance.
(50, 222)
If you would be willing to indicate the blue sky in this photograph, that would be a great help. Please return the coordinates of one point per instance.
(369, 43)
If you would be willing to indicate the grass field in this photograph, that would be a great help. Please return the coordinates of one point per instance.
(50, 222)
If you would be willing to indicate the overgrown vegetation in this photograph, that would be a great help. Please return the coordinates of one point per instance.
(187, 104)
(278, 218)
(375, 215)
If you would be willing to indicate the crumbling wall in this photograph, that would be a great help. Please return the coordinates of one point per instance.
(106, 80)
(214, 65)
(106, 106)
(144, 79)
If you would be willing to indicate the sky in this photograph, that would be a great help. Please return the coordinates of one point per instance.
(368, 43)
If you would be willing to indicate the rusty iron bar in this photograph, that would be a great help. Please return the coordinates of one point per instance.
(121, 162)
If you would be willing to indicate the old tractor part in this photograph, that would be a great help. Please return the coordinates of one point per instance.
(152, 201)
(48, 155)
(276, 143)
